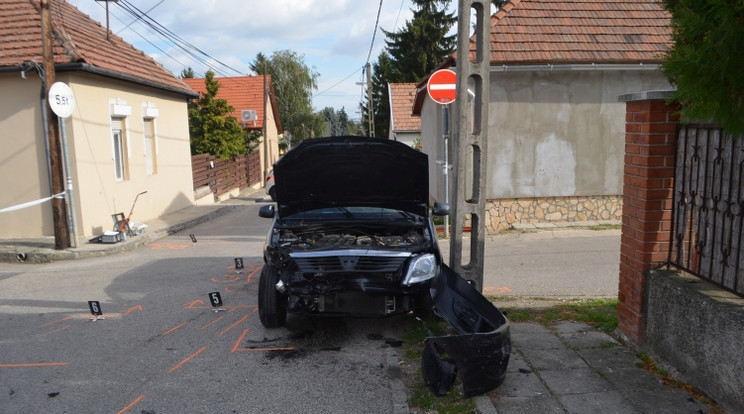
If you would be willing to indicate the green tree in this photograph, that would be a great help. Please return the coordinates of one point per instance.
(187, 73)
(211, 130)
(294, 83)
(423, 43)
(411, 54)
(706, 60)
(383, 72)
(337, 122)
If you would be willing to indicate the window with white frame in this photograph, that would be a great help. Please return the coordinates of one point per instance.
(119, 146)
(151, 150)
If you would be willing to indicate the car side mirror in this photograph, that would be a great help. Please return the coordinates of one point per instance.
(441, 209)
(267, 211)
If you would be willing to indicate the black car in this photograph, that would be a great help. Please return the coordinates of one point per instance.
(352, 236)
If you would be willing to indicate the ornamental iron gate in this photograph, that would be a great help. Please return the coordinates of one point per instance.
(708, 212)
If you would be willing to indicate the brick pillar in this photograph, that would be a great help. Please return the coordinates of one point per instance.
(650, 136)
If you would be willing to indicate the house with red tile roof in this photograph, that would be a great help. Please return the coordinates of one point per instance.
(127, 134)
(404, 125)
(246, 95)
(555, 126)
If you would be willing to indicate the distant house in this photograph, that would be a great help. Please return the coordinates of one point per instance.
(404, 125)
(246, 95)
(555, 126)
(128, 132)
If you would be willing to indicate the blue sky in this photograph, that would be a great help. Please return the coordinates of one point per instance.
(333, 35)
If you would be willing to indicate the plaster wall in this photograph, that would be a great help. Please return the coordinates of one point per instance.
(550, 133)
(23, 159)
(98, 194)
(696, 330)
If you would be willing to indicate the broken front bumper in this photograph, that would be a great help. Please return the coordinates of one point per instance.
(480, 353)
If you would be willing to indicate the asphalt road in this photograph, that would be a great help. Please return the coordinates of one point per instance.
(163, 349)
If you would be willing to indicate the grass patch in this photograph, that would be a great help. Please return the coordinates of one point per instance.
(599, 313)
(421, 398)
(606, 226)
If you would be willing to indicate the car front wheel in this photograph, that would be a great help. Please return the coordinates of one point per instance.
(272, 305)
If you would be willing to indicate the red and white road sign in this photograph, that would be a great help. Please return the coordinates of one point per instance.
(442, 86)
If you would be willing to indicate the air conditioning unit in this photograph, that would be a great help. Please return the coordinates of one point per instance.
(248, 115)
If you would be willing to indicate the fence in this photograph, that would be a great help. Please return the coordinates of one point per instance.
(708, 212)
(221, 176)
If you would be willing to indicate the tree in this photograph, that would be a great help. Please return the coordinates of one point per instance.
(384, 72)
(423, 43)
(411, 54)
(706, 60)
(294, 83)
(211, 130)
(187, 73)
(337, 123)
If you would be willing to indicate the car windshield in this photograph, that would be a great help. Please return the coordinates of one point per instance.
(354, 213)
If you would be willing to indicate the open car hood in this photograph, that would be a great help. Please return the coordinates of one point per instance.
(351, 171)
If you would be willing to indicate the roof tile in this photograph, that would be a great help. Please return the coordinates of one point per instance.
(77, 39)
(579, 31)
(402, 96)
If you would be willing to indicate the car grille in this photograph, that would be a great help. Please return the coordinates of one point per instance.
(349, 261)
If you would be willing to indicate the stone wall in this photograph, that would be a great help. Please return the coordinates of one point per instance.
(508, 213)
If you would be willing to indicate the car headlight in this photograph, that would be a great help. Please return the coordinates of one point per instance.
(421, 268)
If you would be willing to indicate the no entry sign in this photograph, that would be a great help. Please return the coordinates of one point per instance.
(441, 86)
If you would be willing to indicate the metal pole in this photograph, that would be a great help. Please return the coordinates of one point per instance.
(446, 134)
(72, 222)
(371, 114)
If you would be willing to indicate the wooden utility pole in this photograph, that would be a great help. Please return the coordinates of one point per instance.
(59, 214)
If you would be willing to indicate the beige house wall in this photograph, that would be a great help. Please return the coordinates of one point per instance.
(23, 169)
(98, 194)
(272, 143)
(553, 136)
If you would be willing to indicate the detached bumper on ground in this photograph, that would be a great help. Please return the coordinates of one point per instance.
(480, 353)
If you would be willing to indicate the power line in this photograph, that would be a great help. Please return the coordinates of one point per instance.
(374, 33)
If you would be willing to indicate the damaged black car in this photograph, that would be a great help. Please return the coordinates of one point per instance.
(352, 236)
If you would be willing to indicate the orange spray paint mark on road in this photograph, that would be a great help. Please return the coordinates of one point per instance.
(66, 318)
(241, 320)
(238, 348)
(189, 358)
(496, 290)
(57, 330)
(131, 404)
(211, 323)
(35, 365)
(132, 309)
(171, 330)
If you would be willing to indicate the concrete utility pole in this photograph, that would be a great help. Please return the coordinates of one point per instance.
(371, 113)
(59, 214)
(470, 147)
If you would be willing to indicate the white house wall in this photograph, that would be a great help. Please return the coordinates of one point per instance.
(23, 158)
(550, 134)
(97, 193)
(168, 190)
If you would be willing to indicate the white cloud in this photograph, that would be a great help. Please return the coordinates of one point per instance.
(333, 35)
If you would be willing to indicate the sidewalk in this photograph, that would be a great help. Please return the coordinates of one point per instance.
(574, 368)
(41, 250)
(569, 368)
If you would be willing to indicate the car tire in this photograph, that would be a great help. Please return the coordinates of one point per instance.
(272, 193)
(272, 305)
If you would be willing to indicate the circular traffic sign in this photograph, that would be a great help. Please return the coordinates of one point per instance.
(61, 99)
(442, 86)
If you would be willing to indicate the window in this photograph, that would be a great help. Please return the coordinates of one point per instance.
(119, 144)
(151, 151)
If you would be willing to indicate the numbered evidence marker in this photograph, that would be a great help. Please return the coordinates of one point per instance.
(239, 265)
(216, 300)
(95, 310)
